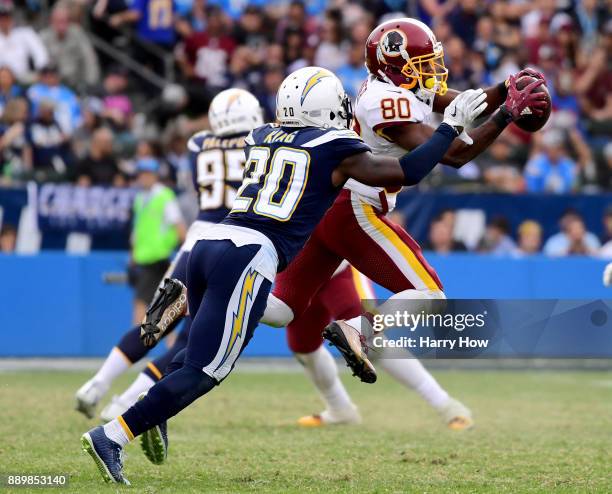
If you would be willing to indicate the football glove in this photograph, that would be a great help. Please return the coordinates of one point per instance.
(463, 110)
(517, 100)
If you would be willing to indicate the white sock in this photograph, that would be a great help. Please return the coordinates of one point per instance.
(411, 373)
(277, 314)
(321, 368)
(141, 384)
(115, 364)
(115, 432)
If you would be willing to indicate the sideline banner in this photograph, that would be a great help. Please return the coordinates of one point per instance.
(63, 207)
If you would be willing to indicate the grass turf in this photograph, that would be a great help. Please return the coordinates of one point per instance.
(536, 432)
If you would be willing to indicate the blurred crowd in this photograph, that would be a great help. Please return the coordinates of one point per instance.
(572, 238)
(72, 108)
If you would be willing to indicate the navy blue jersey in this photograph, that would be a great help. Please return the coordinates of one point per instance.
(217, 165)
(287, 186)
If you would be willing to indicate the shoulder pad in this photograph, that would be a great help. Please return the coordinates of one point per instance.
(332, 135)
(196, 140)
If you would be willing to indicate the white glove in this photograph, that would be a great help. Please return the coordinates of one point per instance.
(607, 275)
(464, 109)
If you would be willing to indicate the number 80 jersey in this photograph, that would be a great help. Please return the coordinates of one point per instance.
(217, 165)
(287, 183)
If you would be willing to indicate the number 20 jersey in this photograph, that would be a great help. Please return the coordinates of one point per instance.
(288, 182)
(217, 166)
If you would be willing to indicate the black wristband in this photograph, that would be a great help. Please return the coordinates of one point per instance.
(503, 89)
(502, 118)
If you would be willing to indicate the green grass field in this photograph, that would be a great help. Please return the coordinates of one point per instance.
(536, 432)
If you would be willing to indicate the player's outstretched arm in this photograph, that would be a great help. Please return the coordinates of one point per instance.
(412, 135)
(414, 165)
(496, 95)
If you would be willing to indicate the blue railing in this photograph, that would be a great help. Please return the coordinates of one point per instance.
(53, 304)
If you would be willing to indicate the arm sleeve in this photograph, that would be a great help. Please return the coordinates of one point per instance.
(420, 161)
(37, 50)
(343, 148)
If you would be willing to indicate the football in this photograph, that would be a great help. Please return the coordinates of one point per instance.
(528, 121)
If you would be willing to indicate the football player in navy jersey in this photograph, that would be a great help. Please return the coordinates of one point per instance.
(293, 173)
(217, 159)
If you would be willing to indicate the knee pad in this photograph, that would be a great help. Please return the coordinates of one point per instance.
(277, 314)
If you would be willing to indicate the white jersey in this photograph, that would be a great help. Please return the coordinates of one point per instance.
(380, 105)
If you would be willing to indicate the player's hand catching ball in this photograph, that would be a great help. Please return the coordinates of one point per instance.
(517, 100)
(463, 110)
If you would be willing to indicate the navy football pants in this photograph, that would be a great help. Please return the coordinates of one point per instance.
(227, 298)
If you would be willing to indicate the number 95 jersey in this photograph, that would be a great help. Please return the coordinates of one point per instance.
(217, 165)
(287, 185)
(381, 105)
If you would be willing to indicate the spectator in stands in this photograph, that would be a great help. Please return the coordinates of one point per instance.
(552, 170)
(353, 73)
(195, 21)
(606, 239)
(92, 120)
(463, 19)
(100, 166)
(296, 19)
(573, 237)
(273, 77)
(8, 239)
(500, 164)
(332, 50)
(497, 238)
(204, 59)
(441, 238)
(20, 46)
(529, 237)
(594, 86)
(47, 152)
(70, 48)
(158, 229)
(13, 139)
(296, 52)
(66, 104)
(9, 88)
(116, 104)
(253, 31)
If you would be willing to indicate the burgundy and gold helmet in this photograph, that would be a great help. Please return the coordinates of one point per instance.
(405, 52)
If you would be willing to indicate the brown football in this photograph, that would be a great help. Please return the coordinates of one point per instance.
(528, 121)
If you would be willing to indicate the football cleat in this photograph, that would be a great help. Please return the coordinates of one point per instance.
(115, 408)
(88, 396)
(348, 416)
(456, 415)
(154, 442)
(352, 345)
(167, 308)
(107, 455)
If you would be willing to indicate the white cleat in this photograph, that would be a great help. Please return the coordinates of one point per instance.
(456, 415)
(347, 416)
(115, 408)
(88, 396)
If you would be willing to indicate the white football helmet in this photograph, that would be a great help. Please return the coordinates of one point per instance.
(233, 111)
(313, 96)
